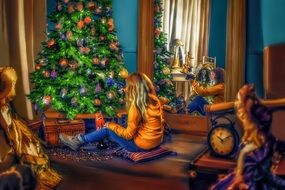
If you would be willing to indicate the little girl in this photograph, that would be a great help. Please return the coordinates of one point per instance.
(144, 130)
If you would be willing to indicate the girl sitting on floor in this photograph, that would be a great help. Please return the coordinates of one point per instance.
(144, 130)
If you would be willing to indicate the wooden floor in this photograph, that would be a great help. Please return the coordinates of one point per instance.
(168, 173)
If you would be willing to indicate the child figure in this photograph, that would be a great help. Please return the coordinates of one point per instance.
(144, 130)
(215, 92)
(253, 170)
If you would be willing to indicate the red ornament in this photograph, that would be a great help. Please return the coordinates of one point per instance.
(58, 26)
(80, 6)
(51, 43)
(80, 24)
(47, 100)
(37, 67)
(87, 20)
(157, 32)
(63, 62)
(71, 8)
(91, 6)
(46, 74)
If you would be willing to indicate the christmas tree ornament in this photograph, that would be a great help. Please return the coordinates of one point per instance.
(87, 20)
(53, 74)
(109, 82)
(166, 71)
(157, 32)
(63, 92)
(92, 31)
(43, 62)
(111, 74)
(88, 71)
(95, 61)
(111, 94)
(51, 43)
(80, 42)
(97, 102)
(47, 100)
(37, 67)
(63, 36)
(108, 11)
(80, 24)
(79, 6)
(124, 73)
(63, 62)
(58, 6)
(101, 75)
(110, 24)
(73, 65)
(98, 88)
(91, 6)
(83, 90)
(101, 37)
(46, 74)
(70, 8)
(103, 20)
(98, 10)
(113, 46)
(58, 26)
(69, 35)
(65, 1)
(74, 101)
(104, 61)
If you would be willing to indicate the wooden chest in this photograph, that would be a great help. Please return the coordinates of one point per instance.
(53, 127)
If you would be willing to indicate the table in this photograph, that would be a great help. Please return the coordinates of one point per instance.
(182, 85)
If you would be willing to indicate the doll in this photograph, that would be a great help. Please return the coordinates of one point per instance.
(253, 170)
(24, 144)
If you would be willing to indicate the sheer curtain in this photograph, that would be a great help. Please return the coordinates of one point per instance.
(188, 20)
(23, 24)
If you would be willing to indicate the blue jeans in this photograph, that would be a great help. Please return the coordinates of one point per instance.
(102, 133)
(197, 105)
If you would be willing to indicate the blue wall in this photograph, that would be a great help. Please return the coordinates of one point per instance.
(125, 13)
(273, 23)
(218, 29)
(254, 46)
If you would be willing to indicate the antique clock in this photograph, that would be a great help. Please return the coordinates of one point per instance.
(223, 139)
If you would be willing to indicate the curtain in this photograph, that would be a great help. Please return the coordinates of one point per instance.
(23, 24)
(188, 20)
(235, 48)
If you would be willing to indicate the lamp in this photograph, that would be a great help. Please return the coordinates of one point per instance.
(176, 43)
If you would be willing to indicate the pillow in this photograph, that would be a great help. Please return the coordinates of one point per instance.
(138, 157)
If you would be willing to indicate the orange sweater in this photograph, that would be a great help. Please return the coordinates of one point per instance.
(216, 91)
(146, 134)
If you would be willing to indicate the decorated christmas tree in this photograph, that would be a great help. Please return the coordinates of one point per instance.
(162, 71)
(80, 68)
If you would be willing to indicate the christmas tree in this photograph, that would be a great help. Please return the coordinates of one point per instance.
(162, 72)
(80, 68)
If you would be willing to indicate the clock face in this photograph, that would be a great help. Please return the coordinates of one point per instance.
(222, 140)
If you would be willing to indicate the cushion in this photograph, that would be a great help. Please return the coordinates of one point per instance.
(138, 157)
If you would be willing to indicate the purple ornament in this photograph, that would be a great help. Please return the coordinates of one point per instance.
(53, 74)
(98, 88)
(83, 90)
(63, 36)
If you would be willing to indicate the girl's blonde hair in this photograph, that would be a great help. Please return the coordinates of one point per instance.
(139, 92)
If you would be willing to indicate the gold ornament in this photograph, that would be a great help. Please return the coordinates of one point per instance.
(46, 74)
(91, 6)
(166, 71)
(96, 61)
(111, 94)
(37, 67)
(79, 6)
(124, 73)
(97, 102)
(111, 75)
(63, 62)
(71, 8)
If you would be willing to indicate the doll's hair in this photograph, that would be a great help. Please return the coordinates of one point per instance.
(219, 74)
(140, 91)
